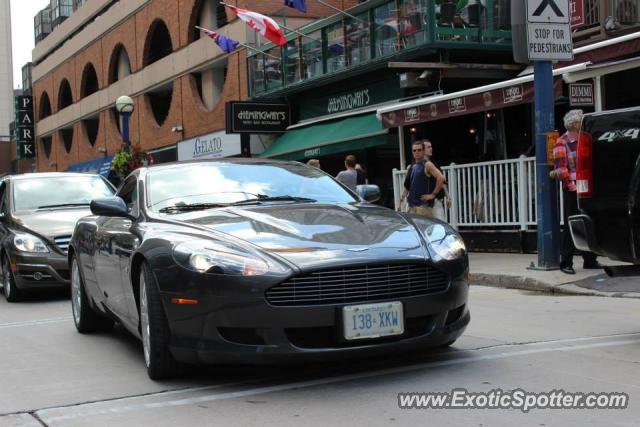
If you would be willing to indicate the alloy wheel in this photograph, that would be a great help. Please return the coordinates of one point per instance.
(144, 321)
(76, 296)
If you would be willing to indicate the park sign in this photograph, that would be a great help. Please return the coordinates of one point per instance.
(549, 30)
(25, 127)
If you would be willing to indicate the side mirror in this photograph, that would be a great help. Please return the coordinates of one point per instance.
(370, 193)
(110, 206)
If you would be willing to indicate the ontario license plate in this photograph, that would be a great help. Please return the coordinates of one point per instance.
(372, 320)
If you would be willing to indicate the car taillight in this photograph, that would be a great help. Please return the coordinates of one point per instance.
(584, 171)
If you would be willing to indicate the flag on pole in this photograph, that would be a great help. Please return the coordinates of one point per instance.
(264, 25)
(226, 44)
(300, 5)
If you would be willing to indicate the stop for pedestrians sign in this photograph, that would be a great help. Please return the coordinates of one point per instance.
(549, 30)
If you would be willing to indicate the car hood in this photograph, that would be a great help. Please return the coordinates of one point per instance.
(313, 235)
(51, 222)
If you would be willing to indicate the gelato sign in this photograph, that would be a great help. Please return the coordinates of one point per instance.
(255, 117)
(212, 146)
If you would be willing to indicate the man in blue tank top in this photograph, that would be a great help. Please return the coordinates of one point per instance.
(422, 183)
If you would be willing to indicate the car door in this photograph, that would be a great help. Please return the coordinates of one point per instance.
(113, 241)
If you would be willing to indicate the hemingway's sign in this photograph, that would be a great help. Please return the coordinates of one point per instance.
(255, 117)
(349, 101)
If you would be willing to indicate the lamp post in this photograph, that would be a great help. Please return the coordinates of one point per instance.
(125, 105)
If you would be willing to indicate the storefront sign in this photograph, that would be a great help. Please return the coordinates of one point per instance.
(255, 117)
(335, 100)
(25, 130)
(581, 94)
(513, 94)
(577, 13)
(489, 100)
(212, 146)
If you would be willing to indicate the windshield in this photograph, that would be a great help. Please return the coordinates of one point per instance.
(42, 192)
(219, 183)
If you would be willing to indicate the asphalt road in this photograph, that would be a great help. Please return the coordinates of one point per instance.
(50, 375)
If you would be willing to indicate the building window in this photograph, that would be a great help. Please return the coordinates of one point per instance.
(312, 55)
(335, 47)
(160, 102)
(44, 110)
(358, 39)
(292, 64)
(89, 83)
(386, 24)
(65, 98)
(119, 66)
(158, 43)
(66, 135)
(91, 127)
(46, 146)
(273, 68)
(42, 24)
(413, 22)
(210, 83)
(209, 14)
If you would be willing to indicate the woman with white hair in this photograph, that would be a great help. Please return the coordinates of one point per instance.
(564, 169)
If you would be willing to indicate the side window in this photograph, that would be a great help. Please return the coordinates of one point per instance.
(129, 193)
(3, 198)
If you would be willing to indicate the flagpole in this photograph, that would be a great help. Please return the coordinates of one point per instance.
(244, 45)
(342, 12)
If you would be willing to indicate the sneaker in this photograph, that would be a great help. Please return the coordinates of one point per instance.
(567, 270)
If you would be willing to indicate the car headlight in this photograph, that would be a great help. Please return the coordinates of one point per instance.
(29, 243)
(444, 242)
(217, 258)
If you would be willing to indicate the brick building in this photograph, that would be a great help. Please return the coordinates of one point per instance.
(149, 50)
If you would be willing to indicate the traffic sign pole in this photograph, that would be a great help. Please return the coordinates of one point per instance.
(546, 190)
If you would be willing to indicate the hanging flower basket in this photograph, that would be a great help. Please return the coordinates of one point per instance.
(129, 158)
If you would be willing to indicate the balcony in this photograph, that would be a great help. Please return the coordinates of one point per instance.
(374, 32)
(607, 18)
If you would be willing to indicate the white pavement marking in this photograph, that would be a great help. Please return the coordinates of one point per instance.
(35, 322)
(57, 414)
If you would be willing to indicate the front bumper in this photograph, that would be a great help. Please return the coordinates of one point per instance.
(38, 271)
(231, 331)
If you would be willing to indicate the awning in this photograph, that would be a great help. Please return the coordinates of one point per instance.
(100, 166)
(602, 69)
(339, 136)
(489, 97)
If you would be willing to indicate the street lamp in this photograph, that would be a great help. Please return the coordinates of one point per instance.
(124, 106)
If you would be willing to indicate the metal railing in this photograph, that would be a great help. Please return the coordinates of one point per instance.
(490, 194)
(602, 18)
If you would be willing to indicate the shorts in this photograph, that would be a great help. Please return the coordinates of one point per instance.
(423, 210)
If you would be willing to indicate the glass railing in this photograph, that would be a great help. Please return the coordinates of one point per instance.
(375, 30)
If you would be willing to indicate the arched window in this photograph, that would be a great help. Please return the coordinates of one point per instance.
(46, 146)
(91, 126)
(65, 98)
(160, 102)
(158, 43)
(89, 83)
(210, 83)
(44, 110)
(209, 14)
(119, 65)
(66, 135)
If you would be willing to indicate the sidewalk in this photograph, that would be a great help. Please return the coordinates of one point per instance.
(510, 271)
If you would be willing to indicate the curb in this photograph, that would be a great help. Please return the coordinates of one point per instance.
(528, 284)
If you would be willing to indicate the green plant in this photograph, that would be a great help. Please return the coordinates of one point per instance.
(129, 158)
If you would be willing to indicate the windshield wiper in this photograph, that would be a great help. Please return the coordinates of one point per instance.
(192, 207)
(283, 198)
(62, 205)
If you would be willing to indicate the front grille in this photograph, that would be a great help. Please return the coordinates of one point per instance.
(358, 284)
(62, 242)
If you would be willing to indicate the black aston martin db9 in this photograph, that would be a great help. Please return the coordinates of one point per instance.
(255, 261)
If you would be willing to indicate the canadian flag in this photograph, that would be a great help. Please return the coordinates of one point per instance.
(264, 25)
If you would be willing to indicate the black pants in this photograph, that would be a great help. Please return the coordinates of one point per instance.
(568, 248)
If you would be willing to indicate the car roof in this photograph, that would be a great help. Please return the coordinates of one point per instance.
(235, 160)
(49, 175)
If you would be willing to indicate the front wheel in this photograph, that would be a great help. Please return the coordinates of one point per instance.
(11, 291)
(154, 329)
(84, 317)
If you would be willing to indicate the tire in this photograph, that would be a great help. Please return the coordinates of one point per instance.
(84, 317)
(154, 329)
(11, 291)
